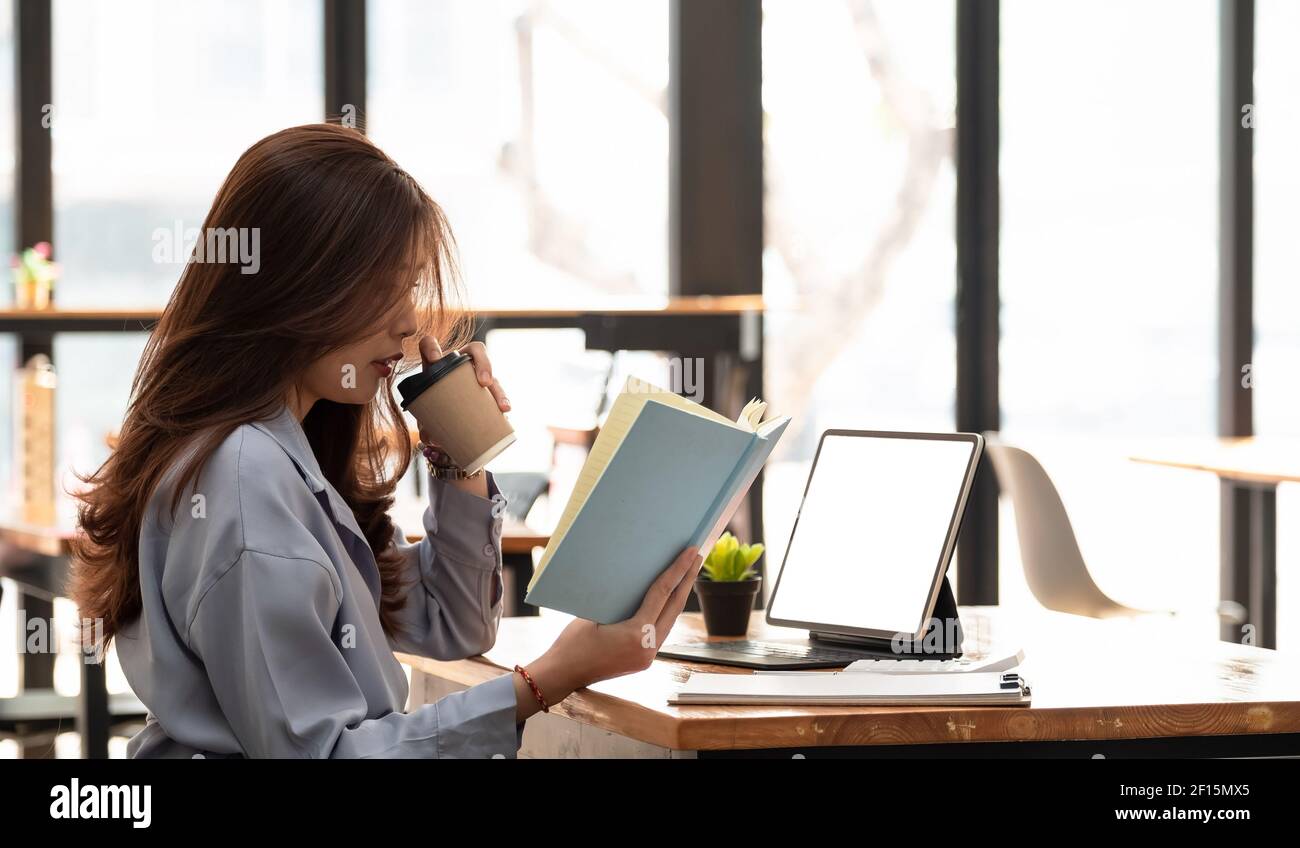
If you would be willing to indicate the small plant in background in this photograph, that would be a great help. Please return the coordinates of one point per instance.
(729, 561)
(34, 276)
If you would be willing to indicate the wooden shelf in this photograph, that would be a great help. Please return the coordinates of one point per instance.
(136, 320)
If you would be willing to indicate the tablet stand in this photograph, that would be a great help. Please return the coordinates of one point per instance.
(942, 640)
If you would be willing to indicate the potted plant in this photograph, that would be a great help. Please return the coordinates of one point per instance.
(34, 276)
(727, 585)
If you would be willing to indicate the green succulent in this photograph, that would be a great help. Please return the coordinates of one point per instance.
(730, 561)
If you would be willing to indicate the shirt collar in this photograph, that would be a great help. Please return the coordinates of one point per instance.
(288, 433)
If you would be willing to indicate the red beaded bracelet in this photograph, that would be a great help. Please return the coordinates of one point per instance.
(537, 693)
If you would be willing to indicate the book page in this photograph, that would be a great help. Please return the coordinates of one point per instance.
(752, 414)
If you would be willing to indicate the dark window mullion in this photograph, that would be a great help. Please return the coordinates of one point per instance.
(345, 61)
(33, 180)
(977, 305)
(1237, 505)
(715, 219)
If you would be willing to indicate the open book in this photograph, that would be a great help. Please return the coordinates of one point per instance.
(664, 474)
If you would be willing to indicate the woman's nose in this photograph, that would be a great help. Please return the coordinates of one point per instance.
(406, 325)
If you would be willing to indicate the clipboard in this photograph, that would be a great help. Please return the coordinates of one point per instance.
(813, 688)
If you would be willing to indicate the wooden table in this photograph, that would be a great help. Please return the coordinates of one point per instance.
(1250, 471)
(1127, 687)
(1266, 461)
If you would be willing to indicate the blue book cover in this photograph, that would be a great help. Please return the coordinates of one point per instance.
(670, 480)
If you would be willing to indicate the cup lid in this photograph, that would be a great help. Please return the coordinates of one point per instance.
(413, 386)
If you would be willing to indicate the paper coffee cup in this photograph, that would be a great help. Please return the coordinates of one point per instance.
(456, 412)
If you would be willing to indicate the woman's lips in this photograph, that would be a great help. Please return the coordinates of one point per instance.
(385, 366)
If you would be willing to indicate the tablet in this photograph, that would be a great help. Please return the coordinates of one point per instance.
(875, 532)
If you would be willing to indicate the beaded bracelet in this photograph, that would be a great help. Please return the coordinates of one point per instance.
(537, 693)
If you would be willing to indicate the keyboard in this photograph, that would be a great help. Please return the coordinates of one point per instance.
(759, 648)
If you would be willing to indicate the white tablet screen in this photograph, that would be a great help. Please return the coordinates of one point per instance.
(870, 532)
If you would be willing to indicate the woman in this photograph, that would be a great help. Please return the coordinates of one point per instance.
(237, 544)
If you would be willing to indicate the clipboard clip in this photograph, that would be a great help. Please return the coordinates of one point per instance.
(1012, 680)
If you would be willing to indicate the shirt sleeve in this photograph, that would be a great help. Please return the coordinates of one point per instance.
(455, 602)
(263, 630)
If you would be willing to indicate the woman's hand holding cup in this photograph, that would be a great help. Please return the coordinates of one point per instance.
(431, 351)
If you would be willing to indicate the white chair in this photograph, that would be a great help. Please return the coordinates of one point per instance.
(1049, 551)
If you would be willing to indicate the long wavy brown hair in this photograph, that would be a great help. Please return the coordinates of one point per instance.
(344, 233)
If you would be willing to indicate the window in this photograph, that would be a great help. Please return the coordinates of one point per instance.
(1277, 258)
(1109, 277)
(1276, 120)
(541, 129)
(860, 257)
(153, 103)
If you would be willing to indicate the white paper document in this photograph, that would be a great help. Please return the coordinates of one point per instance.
(991, 688)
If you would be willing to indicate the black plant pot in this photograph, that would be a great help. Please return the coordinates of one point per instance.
(727, 604)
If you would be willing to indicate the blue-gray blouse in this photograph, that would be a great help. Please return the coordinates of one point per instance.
(259, 634)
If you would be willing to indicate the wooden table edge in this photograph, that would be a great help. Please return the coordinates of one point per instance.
(1238, 475)
(901, 725)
